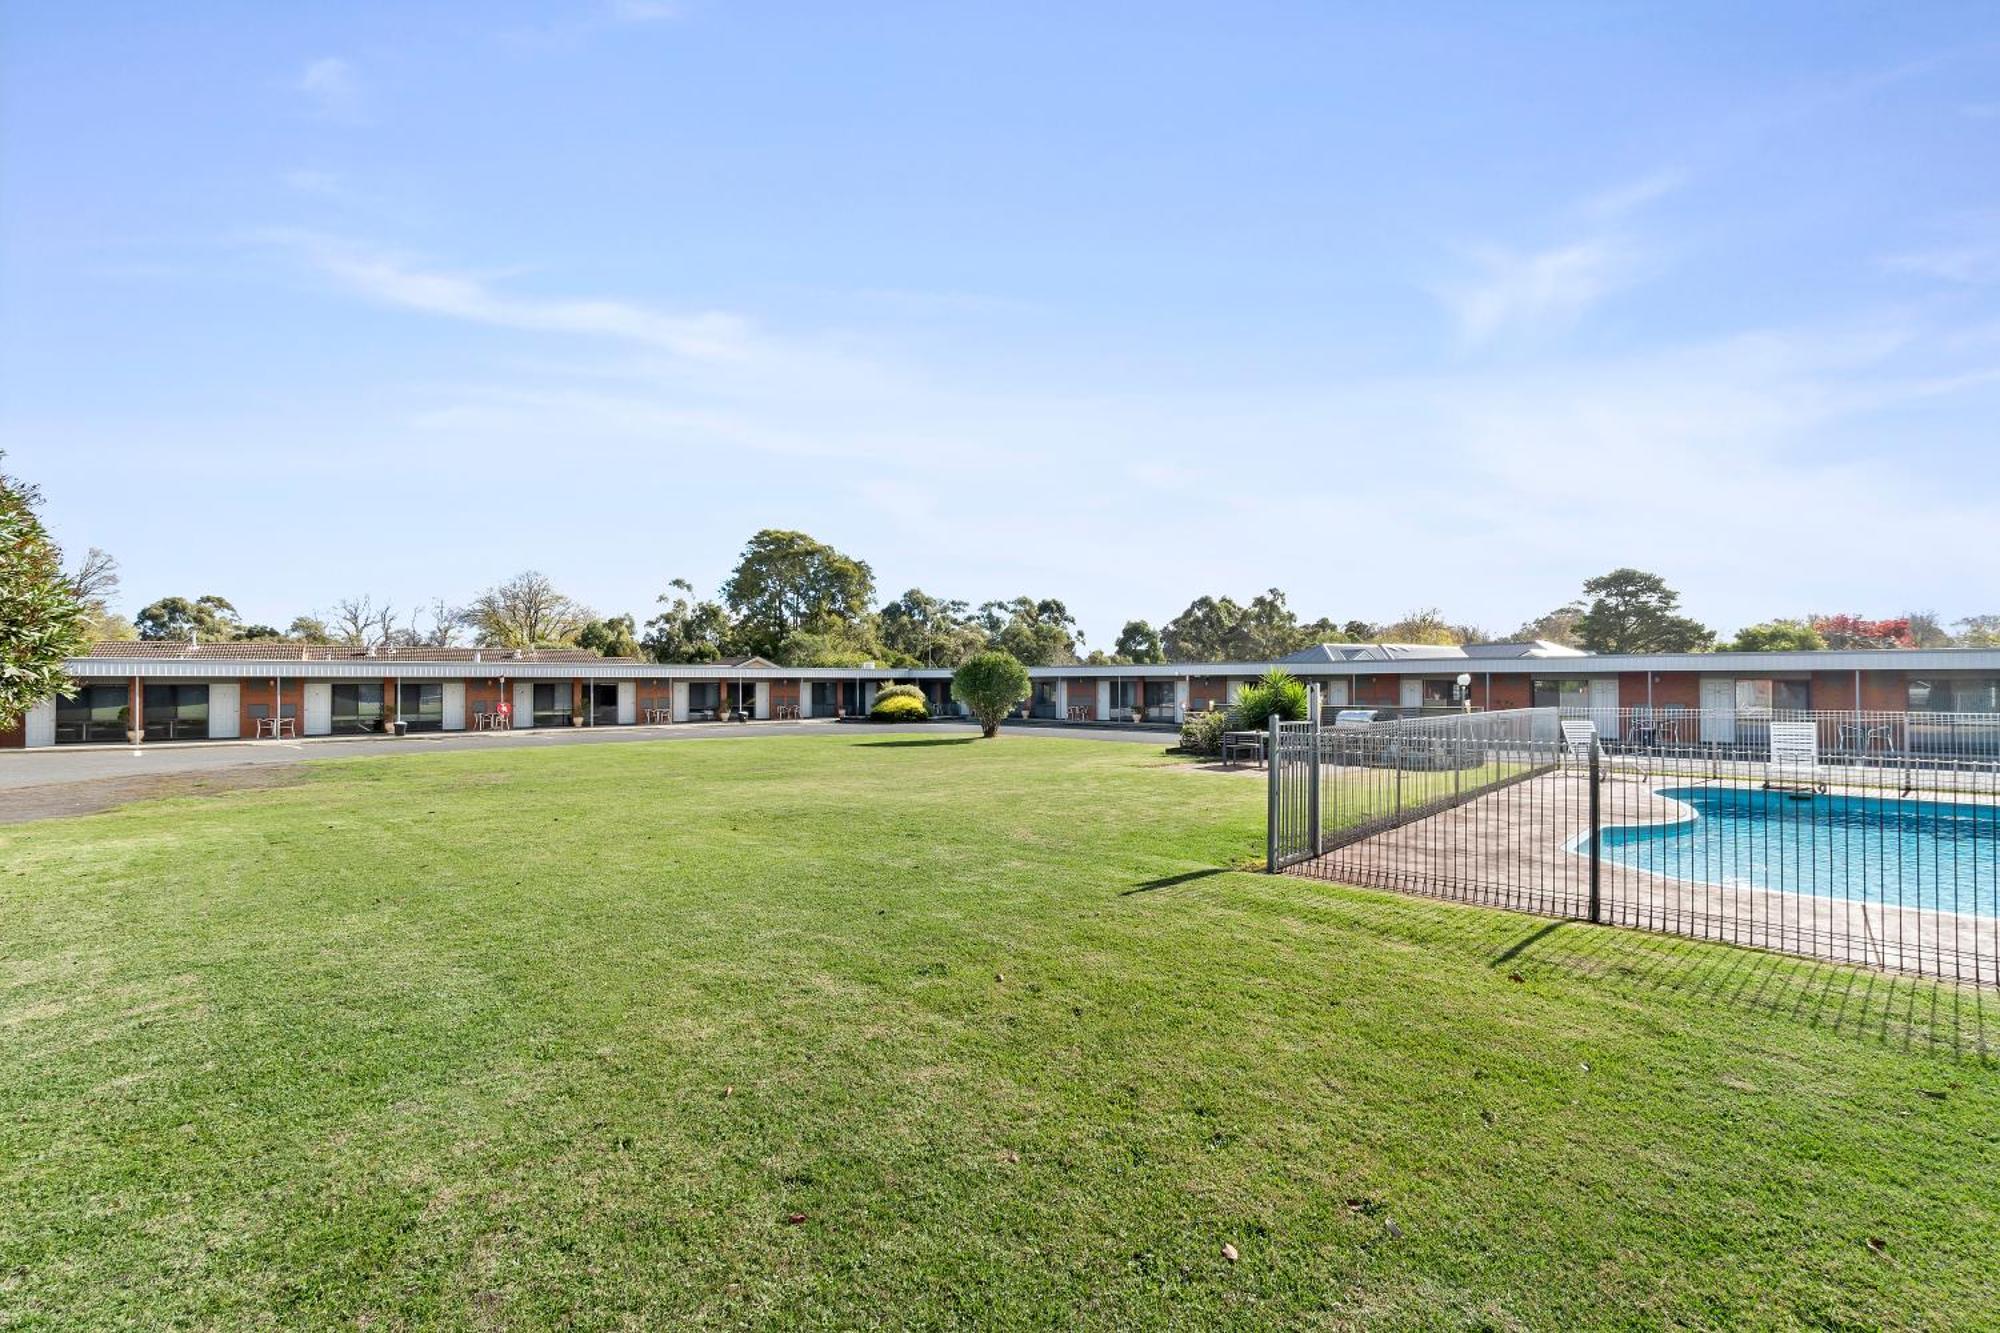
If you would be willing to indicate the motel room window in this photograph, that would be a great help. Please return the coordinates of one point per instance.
(704, 696)
(1562, 693)
(1437, 693)
(93, 713)
(824, 693)
(357, 709)
(1124, 696)
(1791, 696)
(421, 706)
(176, 712)
(1044, 702)
(1971, 694)
(552, 703)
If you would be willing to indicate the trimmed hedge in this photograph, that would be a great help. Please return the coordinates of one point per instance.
(898, 708)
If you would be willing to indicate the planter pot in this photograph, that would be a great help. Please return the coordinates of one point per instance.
(575, 721)
(399, 728)
(135, 737)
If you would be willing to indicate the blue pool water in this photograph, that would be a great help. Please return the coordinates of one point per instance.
(1931, 854)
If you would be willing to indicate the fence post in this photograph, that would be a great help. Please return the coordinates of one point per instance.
(1596, 837)
(1312, 778)
(1271, 782)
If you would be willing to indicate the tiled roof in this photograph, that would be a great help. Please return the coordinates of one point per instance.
(153, 650)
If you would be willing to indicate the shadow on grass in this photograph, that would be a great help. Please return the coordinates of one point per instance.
(1961, 1021)
(903, 745)
(1171, 880)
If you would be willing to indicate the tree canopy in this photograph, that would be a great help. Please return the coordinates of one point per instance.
(690, 629)
(1139, 642)
(1038, 633)
(207, 618)
(1631, 611)
(1777, 636)
(785, 582)
(41, 616)
(1219, 629)
(989, 685)
(527, 611)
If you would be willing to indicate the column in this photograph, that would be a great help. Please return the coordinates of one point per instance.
(136, 730)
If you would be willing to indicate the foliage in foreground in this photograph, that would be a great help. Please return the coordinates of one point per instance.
(898, 708)
(989, 686)
(1201, 733)
(1275, 691)
(41, 616)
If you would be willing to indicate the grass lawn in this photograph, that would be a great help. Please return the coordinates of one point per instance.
(570, 1036)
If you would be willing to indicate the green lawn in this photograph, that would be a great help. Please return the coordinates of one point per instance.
(566, 1036)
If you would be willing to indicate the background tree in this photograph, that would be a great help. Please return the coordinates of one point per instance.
(1039, 633)
(1979, 632)
(786, 582)
(526, 611)
(1219, 629)
(308, 629)
(1846, 631)
(614, 636)
(1777, 636)
(356, 622)
(929, 631)
(1139, 642)
(208, 618)
(1557, 626)
(41, 616)
(1926, 631)
(259, 634)
(1429, 626)
(689, 630)
(989, 685)
(95, 581)
(436, 626)
(1631, 611)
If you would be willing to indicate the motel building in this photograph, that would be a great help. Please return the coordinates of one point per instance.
(148, 693)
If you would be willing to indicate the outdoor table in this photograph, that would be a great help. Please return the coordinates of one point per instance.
(1235, 743)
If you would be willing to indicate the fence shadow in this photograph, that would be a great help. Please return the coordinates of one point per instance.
(905, 745)
(1913, 1013)
(1170, 881)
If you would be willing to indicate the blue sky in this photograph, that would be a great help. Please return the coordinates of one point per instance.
(1390, 306)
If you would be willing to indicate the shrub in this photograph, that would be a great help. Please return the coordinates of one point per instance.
(1276, 692)
(900, 691)
(1202, 732)
(989, 685)
(898, 708)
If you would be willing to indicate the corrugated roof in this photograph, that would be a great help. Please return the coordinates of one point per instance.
(153, 650)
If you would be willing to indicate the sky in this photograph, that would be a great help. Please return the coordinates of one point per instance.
(1386, 306)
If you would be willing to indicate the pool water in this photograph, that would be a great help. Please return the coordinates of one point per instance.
(1932, 854)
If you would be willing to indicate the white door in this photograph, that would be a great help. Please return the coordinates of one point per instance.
(1604, 705)
(1103, 701)
(319, 707)
(1718, 709)
(805, 698)
(628, 702)
(1335, 694)
(454, 705)
(763, 705)
(524, 703)
(41, 724)
(680, 701)
(225, 711)
(1413, 692)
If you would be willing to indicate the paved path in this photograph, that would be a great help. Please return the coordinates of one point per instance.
(20, 769)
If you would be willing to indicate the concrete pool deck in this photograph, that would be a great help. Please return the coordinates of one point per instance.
(1512, 848)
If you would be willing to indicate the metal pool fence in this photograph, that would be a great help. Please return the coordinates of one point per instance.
(1866, 838)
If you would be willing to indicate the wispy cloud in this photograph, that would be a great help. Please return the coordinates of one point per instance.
(333, 88)
(1618, 201)
(392, 280)
(1534, 293)
(1972, 265)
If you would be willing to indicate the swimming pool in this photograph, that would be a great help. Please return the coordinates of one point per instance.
(1933, 854)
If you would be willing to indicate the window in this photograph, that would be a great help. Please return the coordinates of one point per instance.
(176, 712)
(1791, 696)
(93, 713)
(1562, 693)
(357, 709)
(1044, 702)
(823, 697)
(1753, 697)
(421, 706)
(1964, 694)
(604, 703)
(1437, 693)
(552, 703)
(1124, 696)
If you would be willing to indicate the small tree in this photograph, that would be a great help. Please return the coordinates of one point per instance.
(1276, 692)
(41, 617)
(990, 685)
(1777, 636)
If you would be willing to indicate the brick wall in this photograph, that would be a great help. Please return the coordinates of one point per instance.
(259, 693)
(652, 693)
(1509, 691)
(1206, 692)
(16, 736)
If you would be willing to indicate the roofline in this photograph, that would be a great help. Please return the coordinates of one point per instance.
(1859, 659)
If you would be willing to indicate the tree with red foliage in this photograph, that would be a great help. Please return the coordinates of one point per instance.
(1845, 631)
